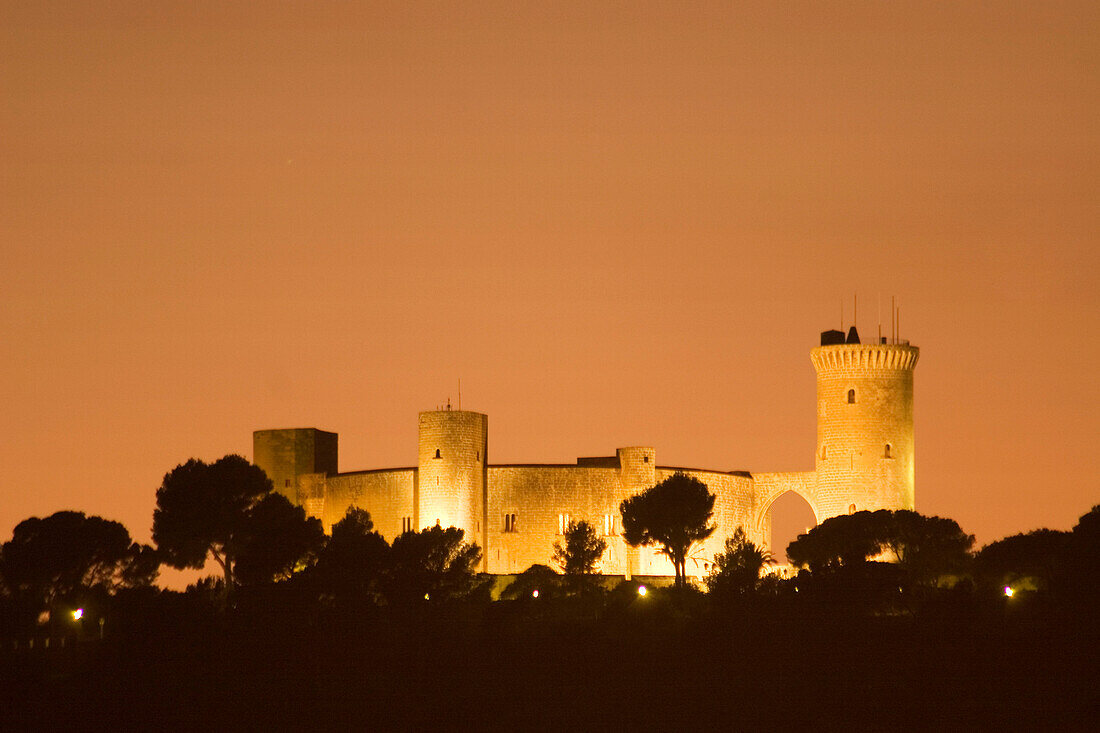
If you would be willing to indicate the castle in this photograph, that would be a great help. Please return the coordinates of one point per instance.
(863, 460)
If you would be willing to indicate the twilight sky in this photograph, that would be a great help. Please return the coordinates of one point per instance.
(617, 223)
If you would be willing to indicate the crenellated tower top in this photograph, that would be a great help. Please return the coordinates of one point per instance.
(874, 357)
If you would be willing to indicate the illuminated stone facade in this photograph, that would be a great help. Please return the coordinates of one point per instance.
(864, 460)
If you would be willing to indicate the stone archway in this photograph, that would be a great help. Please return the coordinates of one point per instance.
(789, 516)
(769, 488)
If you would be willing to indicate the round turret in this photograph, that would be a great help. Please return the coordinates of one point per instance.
(865, 445)
(451, 471)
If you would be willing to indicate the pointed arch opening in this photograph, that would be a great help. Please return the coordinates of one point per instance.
(789, 515)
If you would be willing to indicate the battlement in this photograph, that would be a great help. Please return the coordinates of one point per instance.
(880, 357)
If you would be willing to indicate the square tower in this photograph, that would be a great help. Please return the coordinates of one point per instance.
(286, 454)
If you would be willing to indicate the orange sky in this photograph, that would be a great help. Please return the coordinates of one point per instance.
(619, 223)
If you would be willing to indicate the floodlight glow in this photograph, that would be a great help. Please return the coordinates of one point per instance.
(1009, 592)
(78, 614)
(535, 593)
(641, 590)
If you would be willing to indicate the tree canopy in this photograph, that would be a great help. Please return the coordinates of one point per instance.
(924, 547)
(582, 550)
(355, 558)
(737, 568)
(673, 515)
(435, 564)
(51, 559)
(539, 579)
(220, 510)
(275, 539)
(1038, 555)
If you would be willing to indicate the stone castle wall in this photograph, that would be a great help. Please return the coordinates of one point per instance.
(864, 460)
(387, 494)
(538, 496)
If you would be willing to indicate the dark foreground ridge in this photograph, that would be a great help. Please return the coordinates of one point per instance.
(666, 661)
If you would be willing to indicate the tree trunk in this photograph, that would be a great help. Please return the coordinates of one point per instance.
(227, 569)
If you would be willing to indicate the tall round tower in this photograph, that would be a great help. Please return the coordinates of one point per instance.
(451, 475)
(864, 424)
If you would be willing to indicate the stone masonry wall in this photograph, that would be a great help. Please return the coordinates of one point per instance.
(387, 494)
(733, 507)
(286, 454)
(451, 464)
(865, 448)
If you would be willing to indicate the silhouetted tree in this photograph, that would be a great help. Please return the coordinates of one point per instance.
(848, 539)
(432, 564)
(736, 570)
(926, 548)
(674, 515)
(353, 561)
(1082, 568)
(923, 547)
(582, 550)
(201, 509)
(1035, 555)
(276, 539)
(1086, 541)
(540, 578)
(52, 559)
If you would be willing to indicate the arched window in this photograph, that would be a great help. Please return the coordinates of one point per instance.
(824, 451)
(437, 453)
(851, 508)
(888, 454)
(851, 397)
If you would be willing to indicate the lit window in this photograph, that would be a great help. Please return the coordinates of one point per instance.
(563, 523)
(851, 397)
(609, 524)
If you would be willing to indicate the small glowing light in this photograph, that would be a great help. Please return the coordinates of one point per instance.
(641, 590)
(535, 593)
(1009, 592)
(427, 596)
(78, 614)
